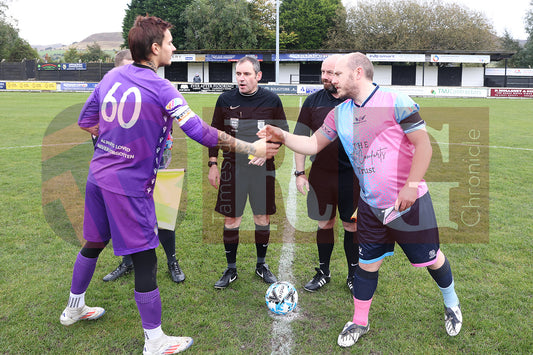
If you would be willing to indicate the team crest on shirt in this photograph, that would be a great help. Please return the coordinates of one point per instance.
(260, 124)
(234, 123)
(359, 119)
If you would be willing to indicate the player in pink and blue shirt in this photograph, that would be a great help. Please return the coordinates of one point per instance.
(389, 149)
(132, 111)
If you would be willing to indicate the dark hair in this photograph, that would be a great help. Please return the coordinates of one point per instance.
(124, 54)
(145, 31)
(253, 60)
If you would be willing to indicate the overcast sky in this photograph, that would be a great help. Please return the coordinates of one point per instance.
(42, 22)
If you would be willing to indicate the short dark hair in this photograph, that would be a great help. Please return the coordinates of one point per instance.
(124, 54)
(255, 63)
(145, 31)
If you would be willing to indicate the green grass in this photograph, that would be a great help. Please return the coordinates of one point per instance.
(493, 276)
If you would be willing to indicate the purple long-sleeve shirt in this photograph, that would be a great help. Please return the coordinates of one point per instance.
(134, 109)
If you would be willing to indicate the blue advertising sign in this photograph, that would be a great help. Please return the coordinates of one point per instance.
(308, 89)
(230, 57)
(281, 89)
(78, 86)
(2, 85)
(74, 66)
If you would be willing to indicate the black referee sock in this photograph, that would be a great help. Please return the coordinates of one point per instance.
(231, 243)
(262, 237)
(325, 239)
(167, 238)
(351, 249)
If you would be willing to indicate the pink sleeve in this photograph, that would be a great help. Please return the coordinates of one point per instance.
(329, 128)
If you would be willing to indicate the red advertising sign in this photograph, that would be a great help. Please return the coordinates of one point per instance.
(511, 92)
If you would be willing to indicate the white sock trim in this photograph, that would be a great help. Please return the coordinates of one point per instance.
(76, 301)
(151, 334)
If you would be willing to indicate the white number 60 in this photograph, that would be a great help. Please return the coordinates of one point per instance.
(118, 110)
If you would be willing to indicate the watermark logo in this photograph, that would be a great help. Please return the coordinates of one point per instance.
(458, 177)
(65, 156)
(66, 152)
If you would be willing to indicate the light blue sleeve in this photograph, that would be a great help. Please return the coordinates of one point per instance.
(404, 107)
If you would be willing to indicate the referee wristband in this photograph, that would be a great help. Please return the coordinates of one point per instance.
(298, 173)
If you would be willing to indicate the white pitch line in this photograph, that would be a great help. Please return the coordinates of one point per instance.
(56, 145)
(282, 339)
(485, 146)
(511, 148)
(43, 145)
(87, 142)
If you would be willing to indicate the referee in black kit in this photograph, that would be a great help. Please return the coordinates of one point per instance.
(242, 112)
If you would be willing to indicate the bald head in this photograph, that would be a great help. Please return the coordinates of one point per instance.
(331, 60)
(358, 59)
(328, 72)
(354, 77)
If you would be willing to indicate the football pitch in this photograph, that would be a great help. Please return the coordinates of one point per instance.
(469, 177)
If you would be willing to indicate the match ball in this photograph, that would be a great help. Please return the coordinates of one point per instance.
(281, 297)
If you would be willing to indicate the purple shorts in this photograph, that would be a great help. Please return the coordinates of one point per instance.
(129, 221)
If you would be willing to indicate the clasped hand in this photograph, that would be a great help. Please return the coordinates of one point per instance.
(268, 146)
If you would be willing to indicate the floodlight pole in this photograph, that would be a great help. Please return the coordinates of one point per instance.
(277, 42)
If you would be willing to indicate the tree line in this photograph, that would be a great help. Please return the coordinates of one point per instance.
(327, 24)
(306, 25)
(12, 47)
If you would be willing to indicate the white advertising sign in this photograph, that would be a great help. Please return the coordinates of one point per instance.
(460, 58)
(396, 57)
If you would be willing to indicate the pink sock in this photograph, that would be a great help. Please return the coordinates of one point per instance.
(361, 309)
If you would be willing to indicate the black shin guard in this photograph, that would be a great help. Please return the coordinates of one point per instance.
(92, 249)
(443, 275)
(365, 283)
(145, 265)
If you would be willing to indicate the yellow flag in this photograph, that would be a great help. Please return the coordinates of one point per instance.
(167, 195)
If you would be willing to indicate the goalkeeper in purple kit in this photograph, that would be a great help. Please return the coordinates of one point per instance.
(132, 110)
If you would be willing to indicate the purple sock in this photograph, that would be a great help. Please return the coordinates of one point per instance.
(82, 274)
(149, 305)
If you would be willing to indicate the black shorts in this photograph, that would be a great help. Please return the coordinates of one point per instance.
(329, 189)
(416, 232)
(239, 182)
